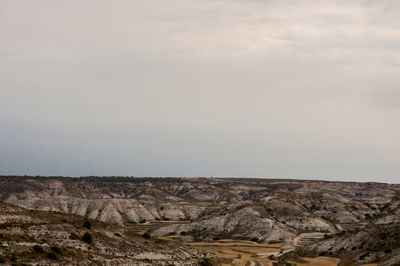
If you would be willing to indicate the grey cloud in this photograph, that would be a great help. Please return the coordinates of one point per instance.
(211, 88)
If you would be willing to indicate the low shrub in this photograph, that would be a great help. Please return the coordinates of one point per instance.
(73, 236)
(87, 224)
(56, 249)
(38, 249)
(87, 238)
(205, 262)
(52, 255)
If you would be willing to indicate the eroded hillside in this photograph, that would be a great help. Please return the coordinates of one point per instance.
(48, 238)
(208, 209)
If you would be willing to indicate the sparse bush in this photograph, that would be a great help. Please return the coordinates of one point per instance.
(146, 235)
(56, 249)
(160, 240)
(73, 236)
(52, 255)
(2, 260)
(254, 239)
(87, 224)
(382, 235)
(117, 234)
(183, 233)
(205, 262)
(38, 249)
(87, 238)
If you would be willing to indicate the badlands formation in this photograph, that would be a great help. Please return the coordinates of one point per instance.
(358, 223)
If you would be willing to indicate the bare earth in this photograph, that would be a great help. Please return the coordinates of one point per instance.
(236, 252)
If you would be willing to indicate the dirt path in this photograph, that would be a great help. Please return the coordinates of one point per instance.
(307, 238)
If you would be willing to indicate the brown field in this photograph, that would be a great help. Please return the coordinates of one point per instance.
(319, 261)
(230, 252)
(244, 253)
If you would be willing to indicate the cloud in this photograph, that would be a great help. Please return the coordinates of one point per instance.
(228, 88)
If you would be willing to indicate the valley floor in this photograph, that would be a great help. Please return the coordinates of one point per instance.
(238, 252)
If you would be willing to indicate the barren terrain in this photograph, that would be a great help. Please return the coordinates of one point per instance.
(314, 221)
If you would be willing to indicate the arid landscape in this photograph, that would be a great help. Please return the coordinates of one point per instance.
(200, 132)
(191, 221)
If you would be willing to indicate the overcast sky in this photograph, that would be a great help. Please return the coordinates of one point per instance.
(252, 88)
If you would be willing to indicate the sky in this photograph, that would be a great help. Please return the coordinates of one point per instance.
(229, 88)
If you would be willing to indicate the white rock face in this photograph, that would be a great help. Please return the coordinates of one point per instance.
(245, 222)
(111, 210)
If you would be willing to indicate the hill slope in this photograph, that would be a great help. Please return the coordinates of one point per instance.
(43, 238)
